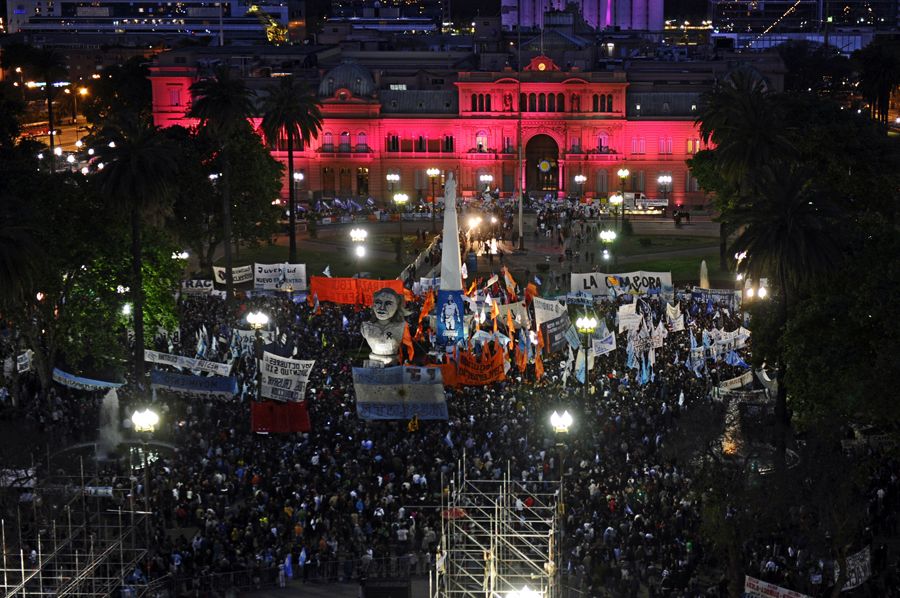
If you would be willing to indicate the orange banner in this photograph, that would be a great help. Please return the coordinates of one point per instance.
(349, 291)
(472, 371)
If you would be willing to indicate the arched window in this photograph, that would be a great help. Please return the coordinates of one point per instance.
(362, 142)
(609, 104)
(532, 102)
(542, 103)
(522, 101)
(487, 102)
(551, 103)
(602, 142)
(328, 181)
(560, 102)
(345, 141)
(603, 103)
(596, 104)
(481, 102)
(481, 141)
(328, 142)
(474, 103)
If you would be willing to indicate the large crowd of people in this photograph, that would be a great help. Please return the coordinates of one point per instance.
(335, 502)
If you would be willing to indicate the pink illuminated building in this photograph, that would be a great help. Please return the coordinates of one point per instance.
(569, 123)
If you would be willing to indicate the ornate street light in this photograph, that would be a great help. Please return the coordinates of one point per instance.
(433, 174)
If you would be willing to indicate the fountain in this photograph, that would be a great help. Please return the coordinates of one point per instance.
(110, 435)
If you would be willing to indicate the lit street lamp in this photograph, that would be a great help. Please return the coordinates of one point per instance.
(400, 199)
(358, 236)
(392, 178)
(607, 237)
(579, 180)
(561, 424)
(525, 592)
(433, 174)
(586, 325)
(616, 200)
(145, 421)
(665, 184)
(258, 320)
(623, 176)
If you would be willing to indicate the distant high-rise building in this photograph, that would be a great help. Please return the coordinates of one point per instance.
(742, 16)
(643, 15)
(433, 9)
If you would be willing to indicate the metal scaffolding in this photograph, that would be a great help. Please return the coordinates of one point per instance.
(498, 537)
(72, 537)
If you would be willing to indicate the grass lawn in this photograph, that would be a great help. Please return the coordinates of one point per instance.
(687, 269)
(659, 243)
(342, 261)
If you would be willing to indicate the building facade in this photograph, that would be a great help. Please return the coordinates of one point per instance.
(643, 15)
(569, 123)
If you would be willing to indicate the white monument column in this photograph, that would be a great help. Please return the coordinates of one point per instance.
(451, 264)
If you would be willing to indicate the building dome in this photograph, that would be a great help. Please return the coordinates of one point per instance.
(350, 76)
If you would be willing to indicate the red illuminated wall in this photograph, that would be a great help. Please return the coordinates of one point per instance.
(368, 144)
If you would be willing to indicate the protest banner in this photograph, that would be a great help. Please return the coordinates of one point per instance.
(77, 382)
(219, 387)
(640, 281)
(449, 313)
(284, 379)
(729, 297)
(197, 287)
(554, 332)
(470, 370)
(279, 277)
(349, 291)
(629, 322)
(274, 417)
(859, 569)
(604, 345)
(580, 298)
(179, 361)
(547, 309)
(742, 380)
(757, 588)
(519, 314)
(239, 274)
(400, 392)
(23, 361)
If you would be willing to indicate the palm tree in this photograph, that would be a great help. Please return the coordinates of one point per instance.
(290, 112)
(44, 65)
(223, 104)
(789, 237)
(139, 172)
(740, 117)
(879, 73)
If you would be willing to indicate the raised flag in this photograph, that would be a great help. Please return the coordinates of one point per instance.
(400, 392)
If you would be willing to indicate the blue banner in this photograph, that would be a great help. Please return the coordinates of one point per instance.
(449, 312)
(73, 381)
(196, 386)
(400, 392)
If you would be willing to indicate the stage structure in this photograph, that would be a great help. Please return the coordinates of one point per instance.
(499, 537)
(70, 536)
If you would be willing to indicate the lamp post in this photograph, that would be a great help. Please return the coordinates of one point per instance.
(579, 180)
(358, 236)
(433, 174)
(145, 421)
(665, 183)
(392, 178)
(607, 237)
(623, 176)
(616, 200)
(400, 199)
(561, 424)
(525, 592)
(258, 320)
(586, 325)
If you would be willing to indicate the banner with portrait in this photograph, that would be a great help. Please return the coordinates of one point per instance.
(449, 315)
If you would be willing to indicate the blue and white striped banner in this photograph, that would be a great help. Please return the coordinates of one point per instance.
(399, 392)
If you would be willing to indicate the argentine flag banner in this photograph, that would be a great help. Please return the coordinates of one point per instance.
(399, 392)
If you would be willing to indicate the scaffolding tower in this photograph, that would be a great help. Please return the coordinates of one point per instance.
(72, 537)
(499, 536)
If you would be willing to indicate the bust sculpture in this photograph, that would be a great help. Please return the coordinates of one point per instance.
(384, 332)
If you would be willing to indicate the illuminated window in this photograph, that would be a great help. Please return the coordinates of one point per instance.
(362, 142)
(665, 145)
(328, 142)
(603, 142)
(481, 141)
(345, 141)
(175, 96)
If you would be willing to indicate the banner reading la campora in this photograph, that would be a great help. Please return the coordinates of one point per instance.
(640, 281)
(349, 291)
